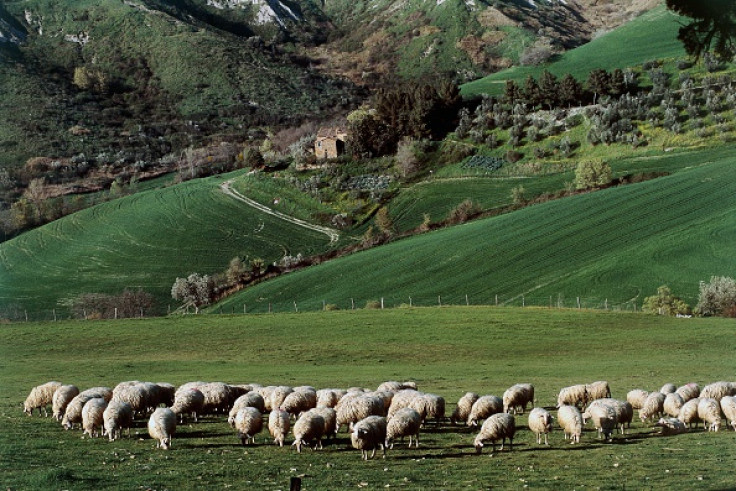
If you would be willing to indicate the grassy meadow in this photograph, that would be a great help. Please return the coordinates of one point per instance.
(447, 351)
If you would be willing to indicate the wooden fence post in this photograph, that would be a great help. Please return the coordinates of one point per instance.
(523, 301)
(410, 302)
(578, 302)
(295, 307)
(54, 315)
(467, 301)
(439, 300)
(381, 302)
(352, 303)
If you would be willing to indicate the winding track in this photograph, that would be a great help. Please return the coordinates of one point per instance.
(229, 191)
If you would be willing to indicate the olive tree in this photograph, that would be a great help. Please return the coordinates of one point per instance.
(195, 290)
(592, 174)
(716, 297)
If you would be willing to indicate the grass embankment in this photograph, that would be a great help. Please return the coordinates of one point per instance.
(142, 241)
(448, 351)
(618, 244)
(652, 35)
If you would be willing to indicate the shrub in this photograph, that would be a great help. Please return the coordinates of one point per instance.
(463, 212)
(664, 303)
(592, 174)
(373, 304)
(717, 297)
(331, 307)
(513, 156)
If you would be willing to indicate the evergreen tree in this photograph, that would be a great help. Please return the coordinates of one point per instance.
(599, 82)
(618, 83)
(570, 91)
(549, 89)
(512, 92)
(532, 92)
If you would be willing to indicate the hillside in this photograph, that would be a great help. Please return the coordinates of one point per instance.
(619, 244)
(142, 241)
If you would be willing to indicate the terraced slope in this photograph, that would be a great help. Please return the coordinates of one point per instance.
(618, 244)
(143, 241)
(651, 36)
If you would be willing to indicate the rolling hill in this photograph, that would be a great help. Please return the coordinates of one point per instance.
(613, 247)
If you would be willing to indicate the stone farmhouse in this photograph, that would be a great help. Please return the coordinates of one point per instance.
(330, 143)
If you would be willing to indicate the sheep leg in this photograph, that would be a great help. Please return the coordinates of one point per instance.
(373, 453)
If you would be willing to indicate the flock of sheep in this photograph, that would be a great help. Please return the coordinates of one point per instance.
(376, 419)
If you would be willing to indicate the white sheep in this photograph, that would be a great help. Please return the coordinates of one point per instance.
(516, 397)
(709, 411)
(464, 405)
(636, 398)
(671, 426)
(61, 399)
(248, 423)
(40, 397)
(668, 389)
(92, 420)
(689, 412)
(484, 407)
(604, 419)
(251, 399)
(136, 395)
(429, 406)
(672, 404)
(189, 401)
(653, 406)
(356, 408)
(266, 394)
(540, 423)
(571, 422)
(117, 417)
(386, 396)
(162, 426)
(278, 426)
(574, 395)
(218, 397)
(299, 401)
(598, 390)
(728, 407)
(369, 434)
(279, 394)
(391, 386)
(73, 413)
(401, 400)
(330, 417)
(405, 422)
(717, 390)
(498, 426)
(624, 413)
(309, 427)
(328, 397)
(688, 391)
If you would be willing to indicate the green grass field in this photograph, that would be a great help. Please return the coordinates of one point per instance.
(618, 244)
(652, 35)
(142, 241)
(447, 351)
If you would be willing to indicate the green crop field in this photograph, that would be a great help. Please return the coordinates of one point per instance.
(652, 35)
(614, 246)
(447, 351)
(142, 241)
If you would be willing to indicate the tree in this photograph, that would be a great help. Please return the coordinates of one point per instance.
(407, 159)
(532, 93)
(717, 297)
(512, 92)
(195, 290)
(599, 82)
(549, 89)
(384, 222)
(617, 85)
(665, 303)
(592, 174)
(570, 91)
(713, 24)
(253, 158)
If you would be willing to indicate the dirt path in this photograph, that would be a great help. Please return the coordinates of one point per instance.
(229, 191)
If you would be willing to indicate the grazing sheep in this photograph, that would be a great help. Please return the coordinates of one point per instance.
(386, 396)
(574, 395)
(571, 422)
(188, 401)
(464, 405)
(328, 398)
(330, 417)
(428, 406)
(250, 399)
(604, 419)
(688, 391)
(484, 407)
(623, 411)
(709, 411)
(598, 390)
(516, 397)
(689, 412)
(299, 401)
(62, 398)
(637, 397)
(390, 386)
(166, 393)
(92, 420)
(248, 423)
(278, 426)
(405, 422)
(401, 400)
(266, 394)
(498, 426)
(73, 413)
(369, 434)
(218, 397)
(668, 389)
(40, 397)
(310, 426)
(359, 407)
(672, 404)
(717, 390)
(540, 422)
(728, 407)
(279, 394)
(653, 406)
(116, 417)
(137, 396)
(162, 426)
(671, 426)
